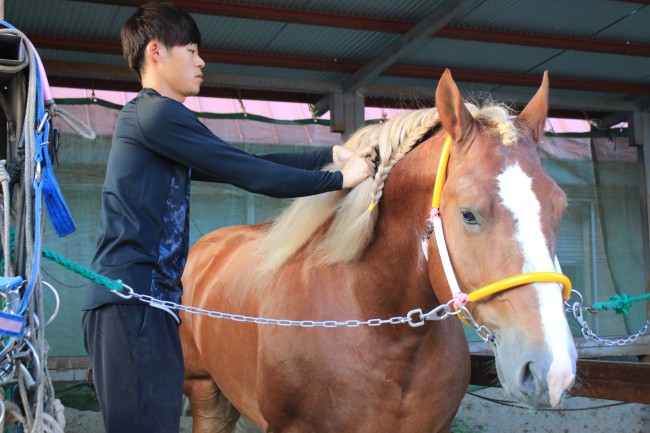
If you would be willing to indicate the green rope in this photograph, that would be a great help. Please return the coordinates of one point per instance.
(621, 304)
(84, 272)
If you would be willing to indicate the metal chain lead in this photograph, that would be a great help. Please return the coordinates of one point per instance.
(481, 330)
(414, 317)
(576, 309)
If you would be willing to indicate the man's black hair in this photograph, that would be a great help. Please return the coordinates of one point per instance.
(163, 21)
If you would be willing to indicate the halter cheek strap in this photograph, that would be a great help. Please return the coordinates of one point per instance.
(434, 225)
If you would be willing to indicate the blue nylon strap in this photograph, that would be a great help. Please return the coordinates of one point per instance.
(6, 24)
(56, 206)
(11, 325)
(57, 209)
(8, 283)
(36, 265)
(40, 136)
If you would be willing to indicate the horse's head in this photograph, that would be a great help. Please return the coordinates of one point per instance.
(500, 212)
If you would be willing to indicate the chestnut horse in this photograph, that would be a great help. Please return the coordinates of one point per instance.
(342, 257)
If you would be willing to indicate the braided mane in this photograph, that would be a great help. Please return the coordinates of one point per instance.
(351, 212)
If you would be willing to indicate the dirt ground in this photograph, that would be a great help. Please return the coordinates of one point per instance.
(477, 414)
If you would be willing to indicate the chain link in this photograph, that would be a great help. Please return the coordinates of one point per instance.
(414, 317)
(410, 319)
(481, 330)
(576, 309)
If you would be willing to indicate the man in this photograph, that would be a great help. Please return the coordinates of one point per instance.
(158, 146)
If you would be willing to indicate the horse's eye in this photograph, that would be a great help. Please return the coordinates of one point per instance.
(468, 217)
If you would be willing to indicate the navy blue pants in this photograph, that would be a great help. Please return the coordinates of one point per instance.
(137, 367)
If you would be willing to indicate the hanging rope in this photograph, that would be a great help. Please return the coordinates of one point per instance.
(621, 304)
(31, 406)
(112, 285)
(28, 352)
(71, 120)
(6, 219)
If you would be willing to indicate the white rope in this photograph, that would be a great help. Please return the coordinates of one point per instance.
(6, 220)
(73, 122)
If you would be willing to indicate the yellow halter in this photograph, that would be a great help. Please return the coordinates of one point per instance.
(498, 286)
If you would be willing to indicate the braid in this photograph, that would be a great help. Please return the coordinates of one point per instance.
(495, 121)
(424, 122)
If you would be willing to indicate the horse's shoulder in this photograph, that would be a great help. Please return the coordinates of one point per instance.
(237, 234)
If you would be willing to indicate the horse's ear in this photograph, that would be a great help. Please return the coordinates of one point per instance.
(454, 116)
(537, 109)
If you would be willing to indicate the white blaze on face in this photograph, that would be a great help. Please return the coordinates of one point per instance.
(515, 189)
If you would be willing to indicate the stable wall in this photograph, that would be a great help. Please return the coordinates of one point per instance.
(600, 258)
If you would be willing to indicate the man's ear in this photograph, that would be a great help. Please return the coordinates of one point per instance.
(152, 50)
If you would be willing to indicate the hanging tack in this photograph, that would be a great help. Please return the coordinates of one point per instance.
(312, 111)
(241, 104)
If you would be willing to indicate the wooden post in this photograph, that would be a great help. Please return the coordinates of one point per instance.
(354, 106)
(640, 136)
(347, 113)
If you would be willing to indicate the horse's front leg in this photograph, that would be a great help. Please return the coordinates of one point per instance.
(211, 410)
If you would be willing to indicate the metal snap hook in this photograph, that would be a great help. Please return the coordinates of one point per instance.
(126, 288)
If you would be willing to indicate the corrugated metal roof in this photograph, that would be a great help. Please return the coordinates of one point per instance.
(605, 67)
(234, 34)
(328, 43)
(291, 44)
(551, 17)
(66, 19)
(490, 56)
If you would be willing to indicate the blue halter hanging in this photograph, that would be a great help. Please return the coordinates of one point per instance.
(46, 190)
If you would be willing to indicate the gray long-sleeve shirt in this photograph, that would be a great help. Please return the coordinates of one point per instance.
(158, 147)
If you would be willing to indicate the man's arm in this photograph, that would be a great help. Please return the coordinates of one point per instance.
(173, 131)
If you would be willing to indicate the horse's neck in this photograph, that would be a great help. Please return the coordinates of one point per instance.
(396, 252)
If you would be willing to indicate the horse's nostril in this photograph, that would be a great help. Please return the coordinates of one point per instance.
(528, 378)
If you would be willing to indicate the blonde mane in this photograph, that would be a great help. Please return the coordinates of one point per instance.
(353, 212)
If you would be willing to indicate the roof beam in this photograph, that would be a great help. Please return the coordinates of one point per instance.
(545, 41)
(413, 39)
(286, 15)
(121, 73)
(210, 56)
(329, 65)
(354, 22)
(119, 77)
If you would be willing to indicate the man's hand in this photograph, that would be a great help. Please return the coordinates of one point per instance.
(359, 165)
(341, 154)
